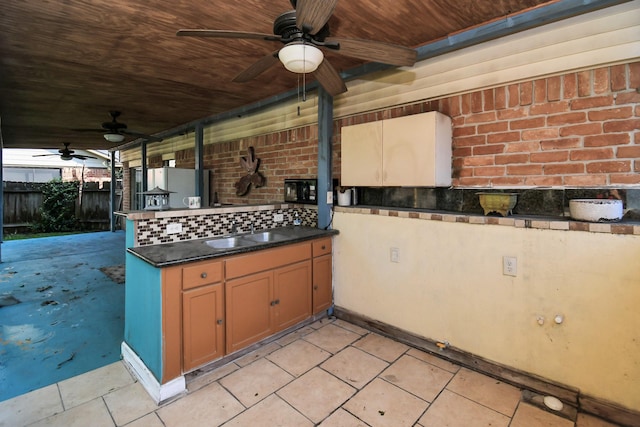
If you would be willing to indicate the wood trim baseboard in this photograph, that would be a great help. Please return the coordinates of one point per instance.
(609, 411)
(569, 395)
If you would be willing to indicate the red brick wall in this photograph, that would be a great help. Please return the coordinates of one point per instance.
(578, 129)
(574, 130)
(286, 154)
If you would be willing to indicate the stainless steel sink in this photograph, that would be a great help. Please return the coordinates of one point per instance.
(265, 237)
(229, 242)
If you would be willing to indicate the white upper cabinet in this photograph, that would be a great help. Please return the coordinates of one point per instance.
(410, 151)
(362, 155)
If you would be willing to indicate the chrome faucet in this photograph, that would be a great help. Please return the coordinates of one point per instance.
(252, 229)
(234, 227)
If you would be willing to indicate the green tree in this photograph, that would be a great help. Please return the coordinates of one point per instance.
(58, 206)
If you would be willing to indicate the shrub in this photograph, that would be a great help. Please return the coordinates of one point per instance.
(58, 207)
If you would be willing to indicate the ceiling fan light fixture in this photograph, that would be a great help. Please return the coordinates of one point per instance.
(66, 157)
(114, 137)
(300, 58)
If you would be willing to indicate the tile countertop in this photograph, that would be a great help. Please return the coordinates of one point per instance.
(518, 221)
(168, 254)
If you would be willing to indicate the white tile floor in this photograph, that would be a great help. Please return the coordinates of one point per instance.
(329, 374)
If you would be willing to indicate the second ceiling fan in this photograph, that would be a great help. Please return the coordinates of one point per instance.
(66, 154)
(115, 131)
(304, 31)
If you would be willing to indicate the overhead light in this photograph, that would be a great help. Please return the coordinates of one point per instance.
(63, 157)
(114, 137)
(300, 58)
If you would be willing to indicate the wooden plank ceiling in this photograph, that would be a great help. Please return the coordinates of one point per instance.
(66, 64)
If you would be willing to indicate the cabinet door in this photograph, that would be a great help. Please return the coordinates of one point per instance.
(322, 283)
(361, 154)
(292, 285)
(203, 327)
(416, 150)
(249, 309)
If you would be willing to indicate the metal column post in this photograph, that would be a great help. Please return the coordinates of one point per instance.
(199, 166)
(112, 192)
(1, 192)
(143, 156)
(325, 134)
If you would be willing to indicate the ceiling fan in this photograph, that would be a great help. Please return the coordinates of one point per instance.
(66, 154)
(115, 131)
(304, 31)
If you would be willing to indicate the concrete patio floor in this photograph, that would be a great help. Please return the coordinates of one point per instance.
(60, 315)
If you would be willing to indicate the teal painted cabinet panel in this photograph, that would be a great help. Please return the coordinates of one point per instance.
(143, 312)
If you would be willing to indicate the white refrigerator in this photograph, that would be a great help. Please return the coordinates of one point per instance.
(181, 181)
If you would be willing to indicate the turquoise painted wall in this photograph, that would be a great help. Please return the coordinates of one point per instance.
(130, 234)
(143, 310)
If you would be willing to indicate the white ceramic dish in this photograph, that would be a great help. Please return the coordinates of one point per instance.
(596, 210)
(553, 403)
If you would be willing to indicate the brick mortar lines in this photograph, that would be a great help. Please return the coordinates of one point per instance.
(595, 131)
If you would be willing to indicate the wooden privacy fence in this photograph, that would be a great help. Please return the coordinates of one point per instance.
(22, 202)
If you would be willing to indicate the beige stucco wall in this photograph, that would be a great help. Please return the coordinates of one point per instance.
(449, 286)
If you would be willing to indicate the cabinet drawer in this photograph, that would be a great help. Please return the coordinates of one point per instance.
(267, 259)
(322, 247)
(201, 274)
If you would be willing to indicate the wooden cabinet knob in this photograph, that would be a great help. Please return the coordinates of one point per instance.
(203, 275)
(315, 288)
(324, 247)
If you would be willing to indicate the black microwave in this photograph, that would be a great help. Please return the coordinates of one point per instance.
(301, 191)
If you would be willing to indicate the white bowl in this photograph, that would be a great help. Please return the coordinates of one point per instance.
(596, 210)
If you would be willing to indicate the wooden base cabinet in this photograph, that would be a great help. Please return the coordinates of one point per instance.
(266, 292)
(292, 295)
(203, 326)
(322, 275)
(249, 310)
(228, 304)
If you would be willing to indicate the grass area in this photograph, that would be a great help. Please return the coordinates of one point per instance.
(22, 236)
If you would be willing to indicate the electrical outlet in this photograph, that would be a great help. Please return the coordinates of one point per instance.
(329, 197)
(278, 217)
(395, 254)
(509, 266)
(174, 228)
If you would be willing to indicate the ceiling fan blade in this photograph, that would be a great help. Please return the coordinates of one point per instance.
(88, 130)
(44, 155)
(329, 78)
(82, 157)
(257, 68)
(227, 34)
(370, 50)
(141, 135)
(311, 15)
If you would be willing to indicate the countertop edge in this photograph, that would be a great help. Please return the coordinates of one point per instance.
(517, 221)
(140, 250)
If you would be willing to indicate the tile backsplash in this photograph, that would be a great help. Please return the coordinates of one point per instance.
(548, 202)
(153, 231)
